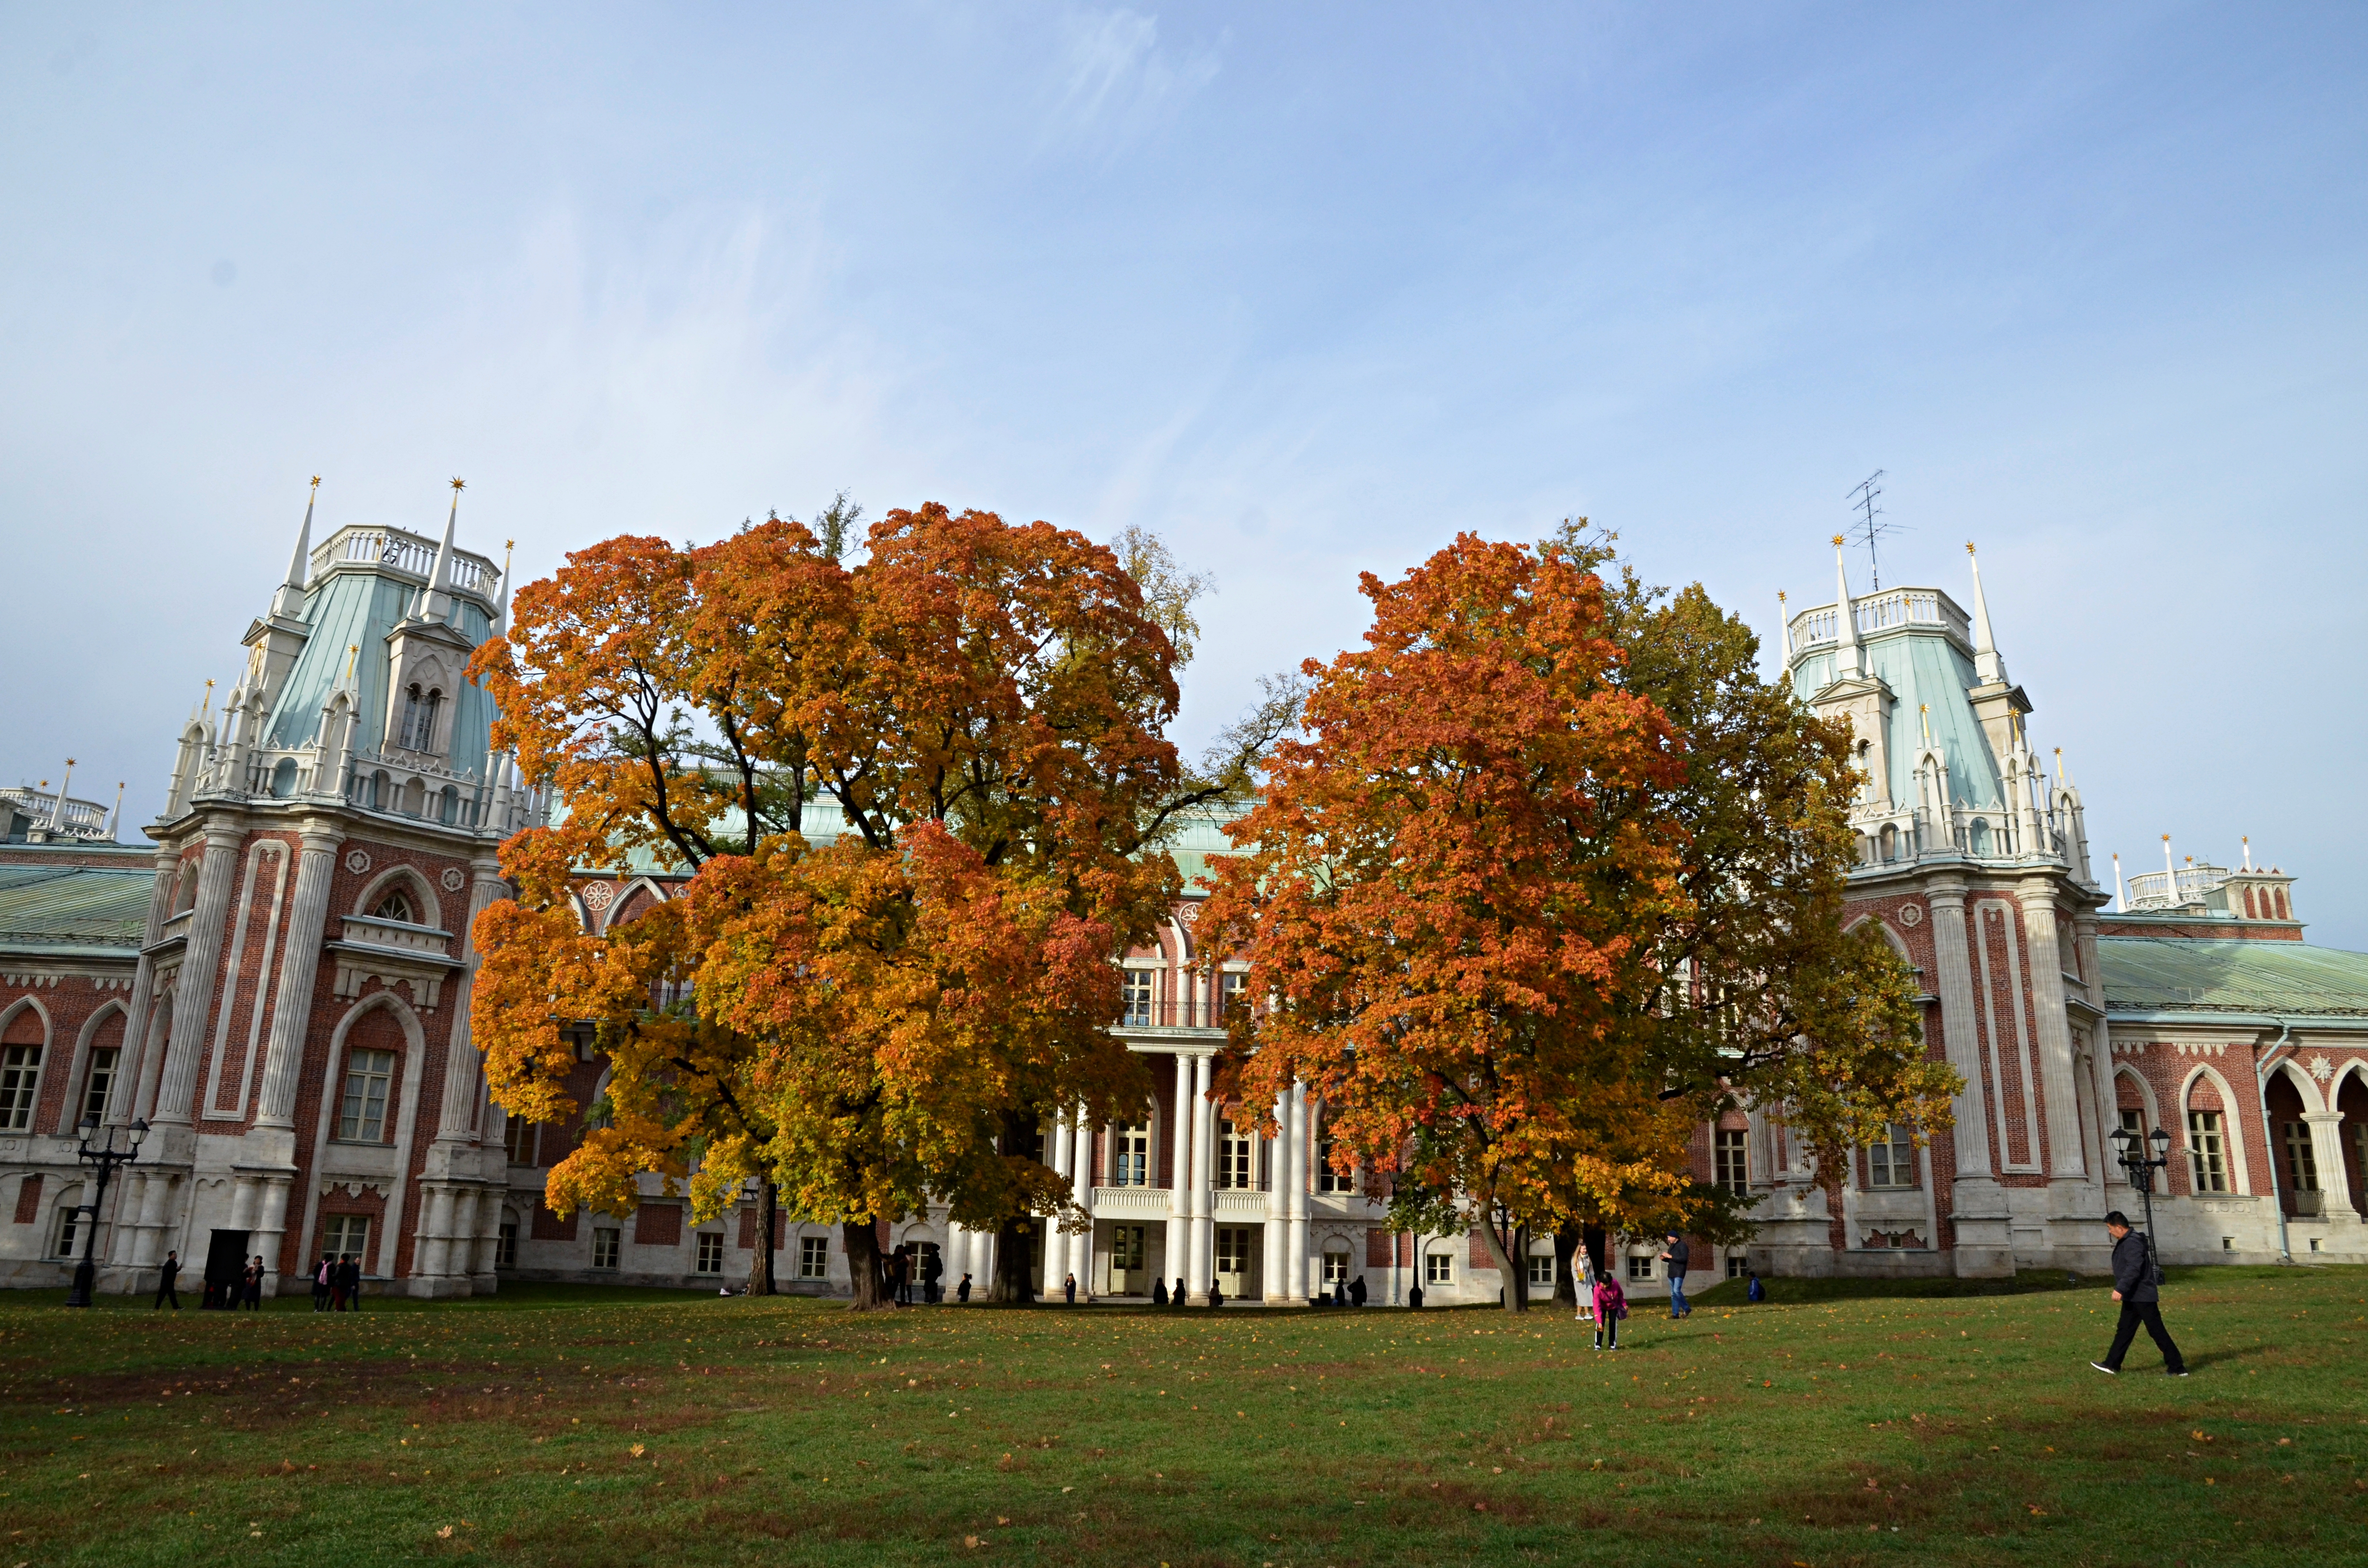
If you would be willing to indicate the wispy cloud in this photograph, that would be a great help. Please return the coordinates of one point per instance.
(1117, 83)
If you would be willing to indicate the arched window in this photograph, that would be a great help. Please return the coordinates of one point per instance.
(395, 905)
(283, 778)
(1890, 842)
(418, 730)
(1980, 837)
(361, 1115)
(450, 809)
(415, 799)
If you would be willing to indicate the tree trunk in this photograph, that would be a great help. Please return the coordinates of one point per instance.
(869, 1287)
(1566, 1242)
(762, 1278)
(1014, 1245)
(1511, 1263)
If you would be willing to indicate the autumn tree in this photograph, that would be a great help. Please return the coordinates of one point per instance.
(922, 801)
(1496, 902)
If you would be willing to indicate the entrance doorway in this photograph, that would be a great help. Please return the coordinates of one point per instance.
(1235, 1275)
(225, 1267)
(1129, 1261)
(927, 1267)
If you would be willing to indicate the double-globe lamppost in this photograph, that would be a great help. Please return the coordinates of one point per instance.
(2131, 1150)
(103, 1159)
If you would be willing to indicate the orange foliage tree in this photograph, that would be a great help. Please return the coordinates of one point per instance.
(1491, 906)
(921, 800)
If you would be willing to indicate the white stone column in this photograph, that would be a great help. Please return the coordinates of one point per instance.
(123, 1239)
(1303, 1150)
(2327, 1152)
(2065, 1155)
(464, 1091)
(1176, 1262)
(135, 1072)
(1959, 1032)
(433, 1245)
(147, 1247)
(460, 1226)
(242, 1202)
(1204, 1199)
(1081, 1247)
(1278, 1227)
(193, 995)
(271, 1228)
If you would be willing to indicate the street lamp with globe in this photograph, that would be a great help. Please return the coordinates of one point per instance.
(2131, 1150)
(104, 1159)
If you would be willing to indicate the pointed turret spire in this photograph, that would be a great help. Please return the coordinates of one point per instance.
(2121, 904)
(289, 601)
(58, 811)
(115, 824)
(502, 610)
(1987, 666)
(1846, 655)
(435, 601)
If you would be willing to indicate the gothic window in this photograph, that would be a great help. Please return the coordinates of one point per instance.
(1237, 1158)
(362, 1117)
(1734, 1159)
(2207, 1151)
(1133, 1151)
(395, 905)
(418, 730)
(100, 1081)
(20, 1074)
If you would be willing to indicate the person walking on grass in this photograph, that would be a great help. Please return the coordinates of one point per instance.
(1680, 1257)
(1582, 1279)
(2136, 1278)
(168, 1288)
(1610, 1306)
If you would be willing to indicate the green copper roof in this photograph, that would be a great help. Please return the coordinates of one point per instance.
(2176, 974)
(1923, 668)
(75, 908)
(358, 610)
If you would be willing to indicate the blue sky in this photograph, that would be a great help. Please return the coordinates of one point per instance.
(1306, 288)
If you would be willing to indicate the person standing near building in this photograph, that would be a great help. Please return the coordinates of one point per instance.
(320, 1283)
(168, 1288)
(961, 1292)
(1069, 1289)
(250, 1294)
(2136, 1280)
(1680, 1257)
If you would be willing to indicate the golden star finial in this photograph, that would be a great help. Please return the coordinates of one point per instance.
(458, 483)
(1969, 547)
(316, 481)
(1838, 542)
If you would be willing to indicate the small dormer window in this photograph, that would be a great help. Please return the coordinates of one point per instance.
(418, 730)
(395, 905)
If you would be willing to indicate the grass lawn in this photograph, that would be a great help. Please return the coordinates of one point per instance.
(586, 1428)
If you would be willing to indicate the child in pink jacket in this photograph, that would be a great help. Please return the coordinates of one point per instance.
(1610, 1306)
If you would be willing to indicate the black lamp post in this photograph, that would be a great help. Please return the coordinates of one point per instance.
(103, 1159)
(2130, 1149)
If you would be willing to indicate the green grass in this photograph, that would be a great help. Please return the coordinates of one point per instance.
(1832, 1426)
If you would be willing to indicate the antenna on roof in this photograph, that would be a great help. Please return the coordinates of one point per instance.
(1868, 531)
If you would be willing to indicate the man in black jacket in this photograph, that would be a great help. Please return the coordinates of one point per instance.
(165, 1281)
(2134, 1286)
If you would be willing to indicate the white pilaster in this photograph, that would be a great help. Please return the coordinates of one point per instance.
(1278, 1227)
(1301, 1150)
(1204, 1202)
(1081, 1247)
(1176, 1262)
(2327, 1152)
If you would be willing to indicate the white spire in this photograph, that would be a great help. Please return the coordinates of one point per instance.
(288, 602)
(58, 809)
(2248, 843)
(435, 600)
(1987, 666)
(1784, 627)
(115, 827)
(502, 610)
(1846, 659)
(2121, 904)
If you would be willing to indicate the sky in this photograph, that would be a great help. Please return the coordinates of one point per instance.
(1306, 289)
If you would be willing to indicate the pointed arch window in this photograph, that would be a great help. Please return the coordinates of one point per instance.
(395, 905)
(418, 730)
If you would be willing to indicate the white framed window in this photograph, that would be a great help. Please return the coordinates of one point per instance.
(98, 1081)
(1233, 1250)
(343, 1234)
(1127, 1248)
(1641, 1266)
(1336, 1265)
(814, 1258)
(1738, 1266)
(68, 1234)
(1131, 1151)
(1229, 985)
(1439, 1267)
(1542, 1269)
(1137, 1014)
(362, 1118)
(1892, 1162)
(20, 1075)
(2301, 1162)
(1326, 1178)
(518, 1137)
(506, 1247)
(1733, 1154)
(708, 1258)
(2207, 1151)
(2134, 1122)
(1237, 1158)
(604, 1246)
